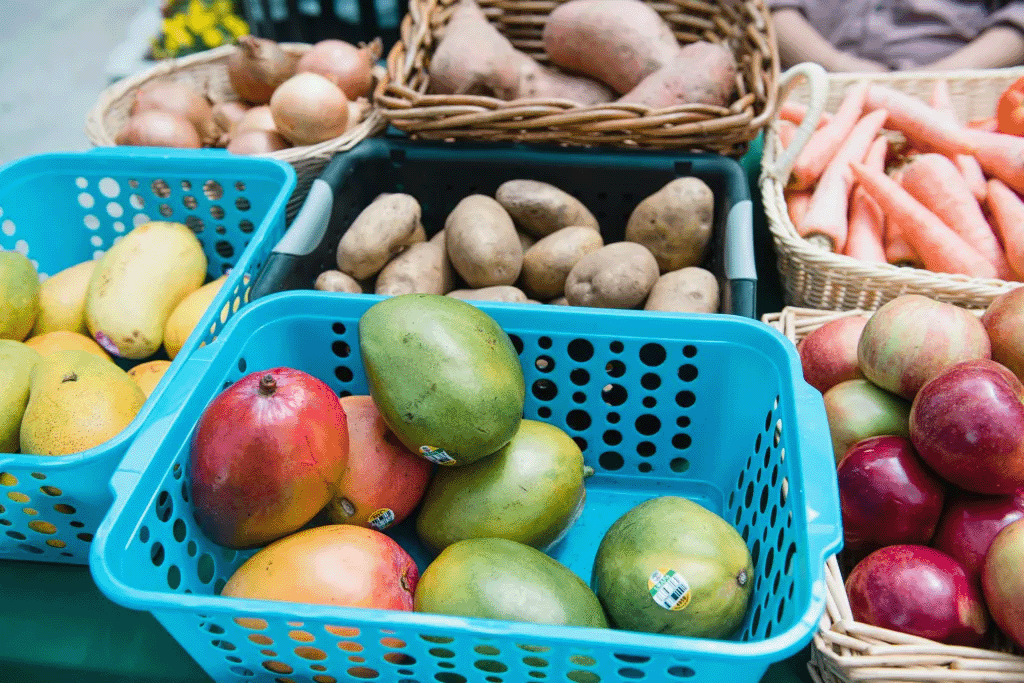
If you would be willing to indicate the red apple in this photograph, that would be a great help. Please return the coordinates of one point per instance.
(887, 495)
(857, 409)
(1002, 581)
(383, 480)
(913, 338)
(829, 354)
(967, 424)
(970, 523)
(920, 591)
(1004, 321)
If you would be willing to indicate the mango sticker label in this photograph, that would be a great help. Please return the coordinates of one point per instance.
(437, 455)
(381, 519)
(669, 589)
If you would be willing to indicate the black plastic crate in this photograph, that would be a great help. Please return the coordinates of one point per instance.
(439, 175)
(309, 21)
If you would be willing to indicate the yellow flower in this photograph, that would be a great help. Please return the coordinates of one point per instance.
(213, 37)
(199, 18)
(236, 26)
(222, 8)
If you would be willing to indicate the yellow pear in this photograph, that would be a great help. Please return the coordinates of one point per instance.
(186, 315)
(77, 401)
(16, 363)
(63, 340)
(62, 300)
(147, 375)
(19, 294)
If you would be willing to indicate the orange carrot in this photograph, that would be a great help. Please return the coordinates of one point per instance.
(990, 124)
(786, 131)
(898, 251)
(796, 202)
(968, 166)
(1000, 155)
(935, 181)
(827, 140)
(827, 215)
(1007, 210)
(940, 248)
(865, 239)
(794, 112)
(923, 126)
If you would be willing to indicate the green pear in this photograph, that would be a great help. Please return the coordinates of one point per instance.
(19, 292)
(16, 363)
(77, 401)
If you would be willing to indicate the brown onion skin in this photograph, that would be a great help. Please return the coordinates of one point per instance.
(227, 114)
(347, 66)
(257, 142)
(257, 118)
(308, 109)
(181, 99)
(159, 129)
(257, 67)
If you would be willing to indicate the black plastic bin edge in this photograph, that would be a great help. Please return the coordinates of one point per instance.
(737, 271)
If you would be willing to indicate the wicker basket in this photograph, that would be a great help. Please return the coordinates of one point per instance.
(846, 650)
(743, 25)
(207, 72)
(815, 278)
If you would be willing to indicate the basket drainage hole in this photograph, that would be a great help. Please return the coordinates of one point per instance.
(615, 368)
(84, 537)
(545, 389)
(517, 342)
(689, 350)
(652, 354)
(679, 465)
(682, 672)
(688, 372)
(17, 535)
(580, 350)
(164, 506)
(156, 553)
(30, 549)
(610, 460)
(630, 672)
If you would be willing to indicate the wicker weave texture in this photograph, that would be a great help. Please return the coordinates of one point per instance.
(815, 278)
(207, 73)
(845, 650)
(742, 25)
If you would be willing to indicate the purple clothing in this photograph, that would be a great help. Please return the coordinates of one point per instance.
(902, 34)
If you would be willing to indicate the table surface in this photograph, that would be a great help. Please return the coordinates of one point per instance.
(55, 625)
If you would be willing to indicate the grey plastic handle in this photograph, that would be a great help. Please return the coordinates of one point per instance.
(310, 225)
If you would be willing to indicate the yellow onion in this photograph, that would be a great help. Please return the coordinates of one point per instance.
(257, 67)
(156, 128)
(345, 65)
(180, 99)
(308, 108)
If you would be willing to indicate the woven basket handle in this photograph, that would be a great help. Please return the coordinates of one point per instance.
(817, 80)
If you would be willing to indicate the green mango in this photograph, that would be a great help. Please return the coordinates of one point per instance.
(16, 363)
(19, 292)
(530, 491)
(672, 566)
(494, 578)
(445, 377)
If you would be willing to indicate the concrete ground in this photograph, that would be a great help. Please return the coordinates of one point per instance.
(55, 59)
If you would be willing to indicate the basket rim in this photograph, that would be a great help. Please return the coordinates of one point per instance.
(126, 436)
(603, 122)
(788, 240)
(100, 136)
(137, 467)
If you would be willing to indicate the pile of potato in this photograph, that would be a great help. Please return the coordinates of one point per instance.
(534, 243)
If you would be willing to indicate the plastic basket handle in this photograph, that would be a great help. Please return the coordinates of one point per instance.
(780, 165)
(819, 480)
(305, 235)
(158, 152)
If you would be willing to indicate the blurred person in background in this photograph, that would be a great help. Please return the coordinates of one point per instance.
(886, 35)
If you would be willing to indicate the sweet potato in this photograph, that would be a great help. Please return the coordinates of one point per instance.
(700, 73)
(473, 58)
(618, 42)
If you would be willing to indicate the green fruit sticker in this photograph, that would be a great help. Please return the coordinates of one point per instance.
(381, 519)
(669, 589)
(437, 455)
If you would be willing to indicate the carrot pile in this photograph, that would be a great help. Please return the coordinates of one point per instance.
(948, 199)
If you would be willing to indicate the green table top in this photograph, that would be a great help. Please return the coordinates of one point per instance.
(56, 626)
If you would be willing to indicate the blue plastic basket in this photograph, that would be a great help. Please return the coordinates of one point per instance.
(61, 209)
(709, 407)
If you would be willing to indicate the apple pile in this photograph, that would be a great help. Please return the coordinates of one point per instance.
(925, 404)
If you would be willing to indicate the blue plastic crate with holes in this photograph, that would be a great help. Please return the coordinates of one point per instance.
(62, 209)
(713, 408)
